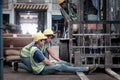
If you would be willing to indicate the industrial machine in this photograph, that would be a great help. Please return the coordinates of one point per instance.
(94, 38)
(97, 40)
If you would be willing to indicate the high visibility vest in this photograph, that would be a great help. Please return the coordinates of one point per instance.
(45, 47)
(28, 51)
(72, 16)
(25, 52)
(37, 67)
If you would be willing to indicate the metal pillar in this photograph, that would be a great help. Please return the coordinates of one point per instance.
(1, 44)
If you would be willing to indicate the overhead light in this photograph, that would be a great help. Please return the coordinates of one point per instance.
(31, 17)
(28, 13)
(30, 1)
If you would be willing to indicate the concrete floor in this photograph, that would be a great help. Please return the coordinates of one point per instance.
(9, 74)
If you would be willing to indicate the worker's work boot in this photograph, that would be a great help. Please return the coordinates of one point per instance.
(92, 68)
(15, 66)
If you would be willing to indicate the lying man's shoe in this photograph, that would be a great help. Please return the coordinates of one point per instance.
(15, 66)
(92, 68)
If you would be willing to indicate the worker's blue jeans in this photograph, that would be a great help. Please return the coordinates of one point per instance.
(61, 67)
(25, 64)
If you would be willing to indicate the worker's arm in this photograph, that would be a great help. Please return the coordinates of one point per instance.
(39, 57)
(50, 51)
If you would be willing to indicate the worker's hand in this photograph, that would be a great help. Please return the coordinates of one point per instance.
(47, 61)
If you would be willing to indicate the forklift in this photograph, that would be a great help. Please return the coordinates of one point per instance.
(97, 40)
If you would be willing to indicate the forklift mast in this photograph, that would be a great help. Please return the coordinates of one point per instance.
(97, 39)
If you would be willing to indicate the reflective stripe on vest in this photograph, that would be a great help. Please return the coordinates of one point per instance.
(65, 15)
(72, 16)
(25, 52)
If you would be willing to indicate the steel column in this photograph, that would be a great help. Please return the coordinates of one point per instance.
(1, 44)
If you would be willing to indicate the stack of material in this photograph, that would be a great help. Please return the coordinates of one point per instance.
(11, 55)
(13, 43)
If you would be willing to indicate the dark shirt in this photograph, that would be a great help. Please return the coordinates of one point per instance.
(89, 7)
(38, 56)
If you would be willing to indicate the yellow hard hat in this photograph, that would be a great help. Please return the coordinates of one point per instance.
(39, 36)
(60, 1)
(48, 32)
